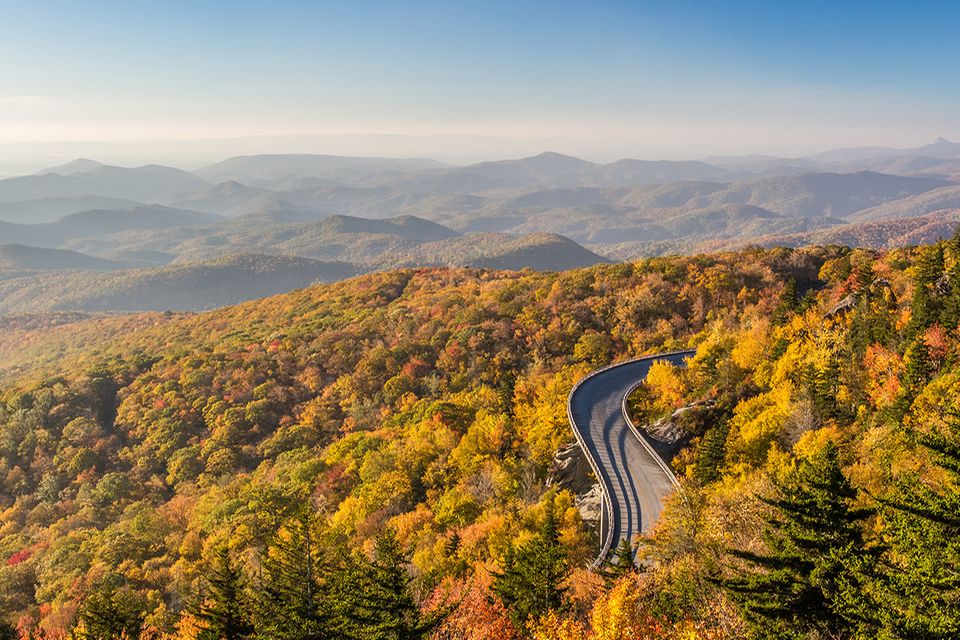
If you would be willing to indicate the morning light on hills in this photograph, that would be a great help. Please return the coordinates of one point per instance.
(479, 320)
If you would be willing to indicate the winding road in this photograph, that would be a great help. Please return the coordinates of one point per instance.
(633, 477)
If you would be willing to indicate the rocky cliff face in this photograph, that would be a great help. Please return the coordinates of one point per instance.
(570, 470)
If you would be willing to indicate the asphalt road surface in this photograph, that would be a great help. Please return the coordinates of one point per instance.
(635, 480)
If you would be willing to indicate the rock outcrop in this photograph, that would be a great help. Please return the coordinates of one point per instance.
(571, 470)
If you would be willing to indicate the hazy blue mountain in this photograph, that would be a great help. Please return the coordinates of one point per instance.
(913, 206)
(266, 170)
(149, 183)
(627, 173)
(877, 234)
(18, 257)
(824, 194)
(96, 222)
(230, 199)
(52, 209)
(34, 235)
(80, 165)
(940, 148)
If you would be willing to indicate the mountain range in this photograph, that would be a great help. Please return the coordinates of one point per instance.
(549, 212)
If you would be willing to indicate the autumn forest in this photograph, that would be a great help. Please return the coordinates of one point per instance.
(375, 458)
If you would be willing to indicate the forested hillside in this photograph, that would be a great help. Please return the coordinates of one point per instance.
(370, 459)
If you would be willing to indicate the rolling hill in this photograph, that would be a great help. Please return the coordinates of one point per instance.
(918, 205)
(370, 244)
(18, 257)
(97, 222)
(874, 234)
(149, 183)
(43, 210)
(188, 287)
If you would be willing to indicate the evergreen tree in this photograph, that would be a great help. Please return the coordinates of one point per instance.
(8, 631)
(225, 610)
(950, 317)
(111, 613)
(918, 366)
(530, 583)
(788, 302)
(389, 611)
(926, 306)
(825, 382)
(810, 582)
(711, 453)
(293, 603)
(864, 277)
(923, 595)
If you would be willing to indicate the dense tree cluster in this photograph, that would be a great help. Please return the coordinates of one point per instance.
(369, 459)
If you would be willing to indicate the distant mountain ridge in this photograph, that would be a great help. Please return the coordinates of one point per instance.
(550, 211)
(18, 257)
(148, 183)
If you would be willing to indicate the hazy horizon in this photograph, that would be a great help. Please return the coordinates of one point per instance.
(190, 83)
(26, 158)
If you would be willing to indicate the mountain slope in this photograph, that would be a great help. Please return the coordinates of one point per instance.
(104, 222)
(829, 194)
(918, 205)
(18, 257)
(874, 234)
(149, 183)
(189, 287)
(45, 210)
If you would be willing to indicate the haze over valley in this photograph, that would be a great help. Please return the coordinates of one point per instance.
(205, 232)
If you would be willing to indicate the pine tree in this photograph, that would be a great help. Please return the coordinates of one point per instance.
(788, 302)
(950, 317)
(926, 306)
(810, 582)
(918, 366)
(389, 611)
(293, 603)
(111, 613)
(225, 609)
(711, 453)
(923, 595)
(530, 583)
(8, 631)
(864, 277)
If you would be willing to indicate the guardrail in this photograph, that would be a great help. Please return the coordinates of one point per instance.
(607, 542)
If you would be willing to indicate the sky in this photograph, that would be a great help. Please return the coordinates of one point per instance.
(462, 81)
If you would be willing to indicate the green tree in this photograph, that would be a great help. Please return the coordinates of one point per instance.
(293, 603)
(388, 610)
(712, 453)
(531, 581)
(225, 608)
(950, 317)
(923, 595)
(926, 305)
(918, 366)
(111, 613)
(788, 303)
(811, 580)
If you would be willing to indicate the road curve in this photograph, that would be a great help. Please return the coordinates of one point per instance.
(634, 479)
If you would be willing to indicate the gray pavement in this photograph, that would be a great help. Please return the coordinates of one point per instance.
(634, 479)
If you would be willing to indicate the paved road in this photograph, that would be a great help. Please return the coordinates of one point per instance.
(635, 480)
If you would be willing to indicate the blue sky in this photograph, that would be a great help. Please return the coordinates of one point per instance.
(603, 79)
